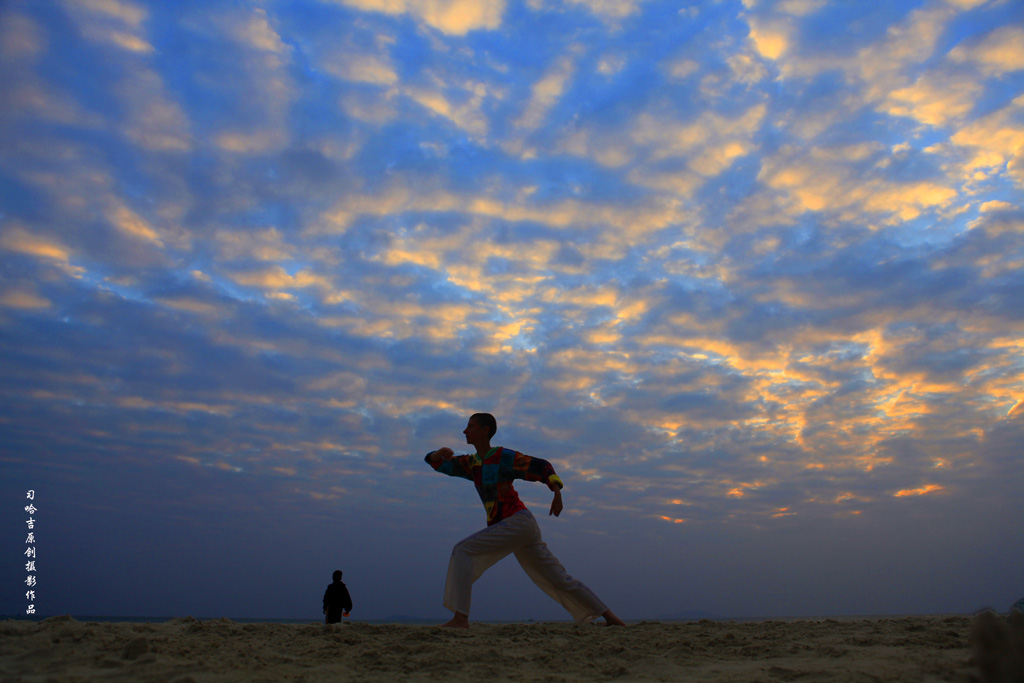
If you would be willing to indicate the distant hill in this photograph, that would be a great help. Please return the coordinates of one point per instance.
(406, 619)
(690, 615)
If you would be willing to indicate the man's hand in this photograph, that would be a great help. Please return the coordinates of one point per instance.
(556, 503)
(443, 453)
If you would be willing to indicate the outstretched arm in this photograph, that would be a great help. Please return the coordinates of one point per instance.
(440, 454)
(445, 462)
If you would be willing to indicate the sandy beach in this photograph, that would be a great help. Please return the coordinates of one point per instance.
(186, 649)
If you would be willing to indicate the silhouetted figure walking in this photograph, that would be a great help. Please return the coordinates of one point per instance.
(337, 601)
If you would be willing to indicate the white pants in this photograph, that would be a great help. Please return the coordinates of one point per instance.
(518, 534)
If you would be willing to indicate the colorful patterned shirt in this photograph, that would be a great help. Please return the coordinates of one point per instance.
(493, 475)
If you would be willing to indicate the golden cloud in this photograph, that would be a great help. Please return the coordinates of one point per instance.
(131, 223)
(23, 299)
(547, 91)
(255, 31)
(999, 52)
(455, 17)
(278, 278)
(466, 115)
(111, 22)
(813, 182)
(995, 138)
(262, 245)
(20, 240)
(934, 99)
(131, 14)
(922, 491)
(770, 39)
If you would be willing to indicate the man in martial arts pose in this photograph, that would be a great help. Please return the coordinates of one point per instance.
(510, 526)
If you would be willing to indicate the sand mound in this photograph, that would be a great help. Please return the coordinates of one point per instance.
(184, 650)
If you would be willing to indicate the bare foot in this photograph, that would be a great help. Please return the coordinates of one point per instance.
(611, 620)
(460, 620)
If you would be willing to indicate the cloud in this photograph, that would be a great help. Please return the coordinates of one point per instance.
(878, 65)
(922, 491)
(190, 305)
(667, 138)
(276, 278)
(18, 239)
(770, 39)
(826, 181)
(619, 224)
(373, 107)
(29, 100)
(453, 17)
(252, 142)
(611, 11)
(995, 142)
(112, 22)
(547, 91)
(682, 68)
(935, 99)
(801, 7)
(458, 17)
(466, 114)
(131, 223)
(23, 41)
(882, 67)
(705, 147)
(681, 183)
(427, 322)
(361, 56)
(260, 245)
(129, 13)
(747, 70)
(363, 69)
(153, 120)
(23, 299)
(258, 71)
(21, 38)
(445, 91)
(610, 65)
(999, 52)
(255, 30)
(966, 4)
(599, 144)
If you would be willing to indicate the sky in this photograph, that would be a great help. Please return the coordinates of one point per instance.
(747, 273)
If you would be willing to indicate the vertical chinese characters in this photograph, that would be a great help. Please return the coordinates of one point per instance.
(30, 553)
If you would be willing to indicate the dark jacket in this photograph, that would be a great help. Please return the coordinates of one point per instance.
(336, 601)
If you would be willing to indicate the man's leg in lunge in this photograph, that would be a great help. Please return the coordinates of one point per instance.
(547, 572)
(471, 557)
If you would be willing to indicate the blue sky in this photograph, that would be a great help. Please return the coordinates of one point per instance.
(749, 274)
